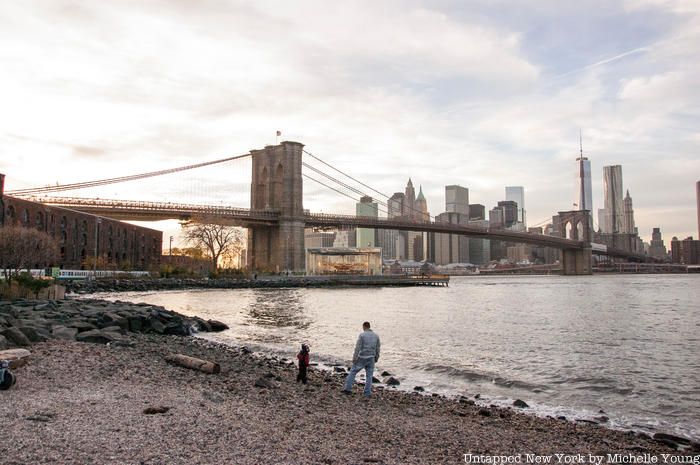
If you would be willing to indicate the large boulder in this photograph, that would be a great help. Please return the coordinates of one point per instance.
(217, 326)
(391, 381)
(95, 336)
(63, 332)
(81, 326)
(16, 337)
(112, 319)
(33, 334)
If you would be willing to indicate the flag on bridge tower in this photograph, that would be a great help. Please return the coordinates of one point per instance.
(279, 133)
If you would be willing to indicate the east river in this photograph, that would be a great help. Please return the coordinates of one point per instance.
(626, 347)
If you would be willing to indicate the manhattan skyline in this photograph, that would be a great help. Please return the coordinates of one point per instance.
(483, 96)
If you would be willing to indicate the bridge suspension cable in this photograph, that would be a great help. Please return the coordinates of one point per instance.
(133, 177)
(357, 191)
(339, 191)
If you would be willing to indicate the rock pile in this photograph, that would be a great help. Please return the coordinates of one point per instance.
(24, 322)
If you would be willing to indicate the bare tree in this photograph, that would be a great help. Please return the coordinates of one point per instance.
(216, 240)
(25, 248)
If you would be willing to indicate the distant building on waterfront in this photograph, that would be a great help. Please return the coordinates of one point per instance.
(657, 249)
(345, 238)
(344, 261)
(119, 245)
(444, 249)
(315, 239)
(479, 249)
(517, 194)
(685, 252)
(366, 237)
(612, 193)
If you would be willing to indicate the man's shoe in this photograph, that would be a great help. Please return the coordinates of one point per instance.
(346, 392)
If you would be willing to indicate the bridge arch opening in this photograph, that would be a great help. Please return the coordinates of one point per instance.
(261, 199)
(579, 231)
(277, 183)
(569, 230)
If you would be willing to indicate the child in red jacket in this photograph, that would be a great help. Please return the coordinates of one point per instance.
(303, 357)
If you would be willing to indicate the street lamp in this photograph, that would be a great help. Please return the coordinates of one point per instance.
(171, 246)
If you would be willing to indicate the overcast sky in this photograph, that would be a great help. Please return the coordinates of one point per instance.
(484, 94)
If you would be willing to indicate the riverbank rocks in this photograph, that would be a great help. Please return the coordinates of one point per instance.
(391, 381)
(520, 404)
(24, 322)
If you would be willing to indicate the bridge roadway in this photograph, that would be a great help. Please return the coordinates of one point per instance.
(153, 211)
(136, 210)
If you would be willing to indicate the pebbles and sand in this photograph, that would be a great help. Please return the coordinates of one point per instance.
(118, 401)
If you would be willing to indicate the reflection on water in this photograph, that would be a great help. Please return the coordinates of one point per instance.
(628, 345)
(281, 308)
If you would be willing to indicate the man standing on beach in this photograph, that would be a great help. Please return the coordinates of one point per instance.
(365, 356)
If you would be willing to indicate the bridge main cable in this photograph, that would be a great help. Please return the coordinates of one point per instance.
(133, 177)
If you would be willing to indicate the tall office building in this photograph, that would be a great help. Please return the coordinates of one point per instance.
(457, 199)
(628, 215)
(602, 227)
(510, 212)
(366, 237)
(612, 192)
(477, 212)
(657, 249)
(395, 205)
(421, 207)
(449, 248)
(517, 195)
(583, 199)
(409, 204)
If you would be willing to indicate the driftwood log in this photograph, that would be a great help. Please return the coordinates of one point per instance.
(16, 357)
(194, 363)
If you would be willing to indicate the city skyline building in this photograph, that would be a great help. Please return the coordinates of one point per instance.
(612, 193)
(457, 199)
(366, 237)
(517, 194)
(477, 212)
(409, 204)
(583, 199)
(628, 226)
(657, 248)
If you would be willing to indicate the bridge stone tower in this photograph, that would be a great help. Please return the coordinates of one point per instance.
(277, 185)
(576, 225)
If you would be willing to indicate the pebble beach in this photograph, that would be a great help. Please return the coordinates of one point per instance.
(121, 402)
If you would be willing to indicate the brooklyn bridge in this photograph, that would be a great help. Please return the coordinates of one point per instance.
(276, 218)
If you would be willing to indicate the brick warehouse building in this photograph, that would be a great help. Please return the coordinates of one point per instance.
(121, 245)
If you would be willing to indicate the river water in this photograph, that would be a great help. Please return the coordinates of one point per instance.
(628, 345)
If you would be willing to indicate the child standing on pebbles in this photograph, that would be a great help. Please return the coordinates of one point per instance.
(303, 357)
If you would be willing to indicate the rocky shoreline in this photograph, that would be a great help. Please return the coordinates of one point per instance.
(262, 282)
(117, 400)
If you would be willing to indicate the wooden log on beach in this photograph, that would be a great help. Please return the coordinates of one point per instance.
(16, 357)
(194, 363)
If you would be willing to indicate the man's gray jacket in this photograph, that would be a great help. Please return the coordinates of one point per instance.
(367, 346)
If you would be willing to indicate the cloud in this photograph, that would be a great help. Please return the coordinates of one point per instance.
(483, 95)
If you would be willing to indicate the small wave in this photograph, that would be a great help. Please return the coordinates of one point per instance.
(475, 376)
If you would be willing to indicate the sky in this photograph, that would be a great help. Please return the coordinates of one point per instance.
(484, 94)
